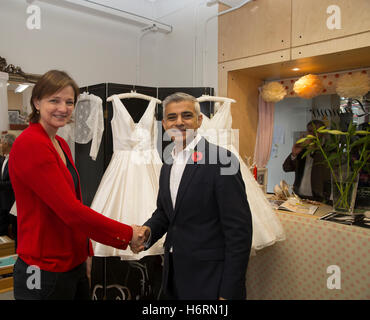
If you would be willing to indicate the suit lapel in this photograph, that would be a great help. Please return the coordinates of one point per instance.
(166, 189)
(185, 181)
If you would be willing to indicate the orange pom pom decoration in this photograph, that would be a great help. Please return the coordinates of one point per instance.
(308, 86)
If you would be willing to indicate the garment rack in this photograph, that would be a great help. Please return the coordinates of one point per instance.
(214, 99)
(134, 94)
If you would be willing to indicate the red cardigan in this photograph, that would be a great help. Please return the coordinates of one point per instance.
(53, 224)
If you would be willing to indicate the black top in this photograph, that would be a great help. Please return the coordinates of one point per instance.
(73, 172)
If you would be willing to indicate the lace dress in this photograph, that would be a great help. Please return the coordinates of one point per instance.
(129, 187)
(88, 124)
(267, 228)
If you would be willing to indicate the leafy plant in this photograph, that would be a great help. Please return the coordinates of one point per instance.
(346, 153)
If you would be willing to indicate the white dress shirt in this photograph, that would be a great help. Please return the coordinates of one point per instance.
(180, 158)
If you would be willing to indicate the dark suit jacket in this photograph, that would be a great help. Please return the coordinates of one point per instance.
(6, 191)
(210, 229)
(320, 175)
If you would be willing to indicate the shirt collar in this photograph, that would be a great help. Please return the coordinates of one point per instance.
(189, 148)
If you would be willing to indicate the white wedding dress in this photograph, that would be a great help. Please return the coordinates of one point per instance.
(267, 228)
(128, 190)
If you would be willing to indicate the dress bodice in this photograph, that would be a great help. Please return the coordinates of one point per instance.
(128, 135)
(218, 129)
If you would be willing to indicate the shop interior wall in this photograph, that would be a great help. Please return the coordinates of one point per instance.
(95, 49)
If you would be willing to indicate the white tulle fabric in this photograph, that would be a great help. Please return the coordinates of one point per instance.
(267, 228)
(88, 124)
(128, 190)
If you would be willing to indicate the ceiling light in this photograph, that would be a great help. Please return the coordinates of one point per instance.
(295, 69)
(21, 87)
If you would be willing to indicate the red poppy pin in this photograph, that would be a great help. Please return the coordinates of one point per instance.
(197, 156)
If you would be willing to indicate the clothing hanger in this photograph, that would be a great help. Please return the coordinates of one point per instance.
(134, 94)
(205, 97)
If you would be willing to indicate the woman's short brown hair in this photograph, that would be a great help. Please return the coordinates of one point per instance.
(50, 83)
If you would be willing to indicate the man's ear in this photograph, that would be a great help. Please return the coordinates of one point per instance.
(200, 119)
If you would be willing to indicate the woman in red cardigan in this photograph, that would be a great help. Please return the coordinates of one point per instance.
(54, 226)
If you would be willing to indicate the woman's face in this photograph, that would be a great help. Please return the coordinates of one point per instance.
(56, 110)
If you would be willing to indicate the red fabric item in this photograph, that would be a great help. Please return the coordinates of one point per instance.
(197, 156)
(54, 227)
(255, 172)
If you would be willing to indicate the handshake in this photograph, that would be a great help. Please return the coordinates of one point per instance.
(140, 236)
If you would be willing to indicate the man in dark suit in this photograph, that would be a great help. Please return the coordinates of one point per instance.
(6, 191)
(312, 176)
(202, 205)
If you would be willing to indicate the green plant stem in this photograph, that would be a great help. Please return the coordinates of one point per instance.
(343, 183)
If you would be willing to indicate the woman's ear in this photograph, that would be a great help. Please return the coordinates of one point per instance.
(36, 103)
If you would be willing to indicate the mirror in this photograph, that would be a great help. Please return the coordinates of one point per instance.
(19, 95)
(291, 116)
(19, 91)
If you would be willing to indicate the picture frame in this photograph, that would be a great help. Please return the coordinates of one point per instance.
(13, 116)
(262, 178)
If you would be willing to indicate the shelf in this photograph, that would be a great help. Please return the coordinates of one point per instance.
(18, 126)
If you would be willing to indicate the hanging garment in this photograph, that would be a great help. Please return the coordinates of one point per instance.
(129, 187)
(267, 228)
(88, 124)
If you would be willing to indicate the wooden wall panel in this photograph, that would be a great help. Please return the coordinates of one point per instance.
(309, 20)
(352, 42)
(258, 27)
(244, 89)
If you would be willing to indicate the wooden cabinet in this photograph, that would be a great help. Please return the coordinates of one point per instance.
(257, 27)
(303, 27)
(309, 20)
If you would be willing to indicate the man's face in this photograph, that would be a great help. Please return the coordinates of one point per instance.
(311, 130)
(180, 121)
